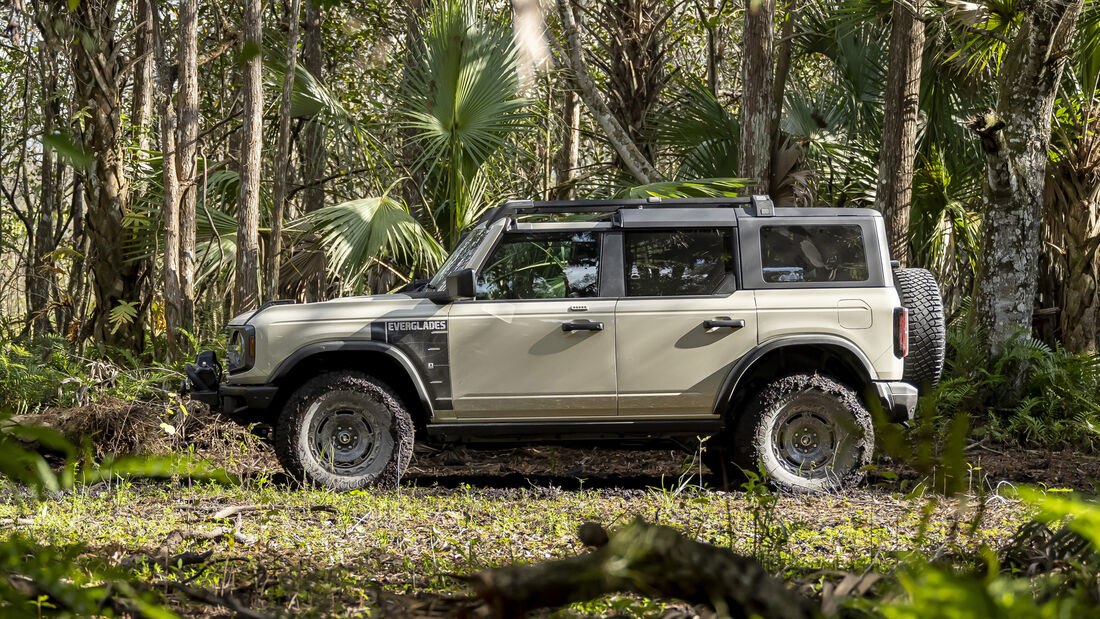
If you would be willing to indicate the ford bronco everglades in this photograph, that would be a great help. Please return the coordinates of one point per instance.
(772, 331)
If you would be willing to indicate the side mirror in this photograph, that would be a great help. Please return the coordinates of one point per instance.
(462, 284)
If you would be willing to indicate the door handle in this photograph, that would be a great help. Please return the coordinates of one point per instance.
(581, 326)
(727, 323)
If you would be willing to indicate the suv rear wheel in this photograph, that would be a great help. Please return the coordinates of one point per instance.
(345, 430)
(808, 432)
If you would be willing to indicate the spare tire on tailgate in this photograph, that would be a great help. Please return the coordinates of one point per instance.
(919, 293)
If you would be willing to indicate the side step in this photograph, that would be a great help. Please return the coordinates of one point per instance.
(538, 431)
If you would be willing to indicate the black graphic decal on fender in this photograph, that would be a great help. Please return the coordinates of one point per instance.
(425, 342)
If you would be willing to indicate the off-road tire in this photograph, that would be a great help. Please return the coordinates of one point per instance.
(770, 430)
(927, 331)
(360, 413)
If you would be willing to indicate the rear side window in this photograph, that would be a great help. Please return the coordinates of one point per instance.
(679, 262)
(542, 266)
(813, 254)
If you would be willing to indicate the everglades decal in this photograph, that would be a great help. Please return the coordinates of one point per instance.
(425, 342)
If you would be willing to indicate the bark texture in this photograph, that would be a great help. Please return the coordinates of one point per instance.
(901, 114)
(568, 157)
(98, 72)
(173, 296)
(246, 294)
(648, 560)
(636, 75)
(281, 165)
(1072, 222)
(756, 94)
(141, 110)
(632, 158)
(186, 160)
(314, 154)
(1015, 139)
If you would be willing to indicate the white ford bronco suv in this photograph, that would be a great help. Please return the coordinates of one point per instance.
(773, 331)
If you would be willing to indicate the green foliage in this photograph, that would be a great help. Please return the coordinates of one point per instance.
(354, 233)
(63, 581)
(1031, 392)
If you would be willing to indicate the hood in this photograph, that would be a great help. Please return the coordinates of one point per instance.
(344, 308)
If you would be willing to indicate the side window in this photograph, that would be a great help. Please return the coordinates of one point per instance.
(813, 254)
(679, 262)
(542, 266)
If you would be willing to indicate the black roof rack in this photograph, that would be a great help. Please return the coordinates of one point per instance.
(762, 203)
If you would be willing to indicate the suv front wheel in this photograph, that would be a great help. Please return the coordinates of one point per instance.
(345, 430)
(809, 433)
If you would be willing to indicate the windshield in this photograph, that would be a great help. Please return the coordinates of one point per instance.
(459, 257)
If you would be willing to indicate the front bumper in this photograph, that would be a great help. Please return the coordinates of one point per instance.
(899, 400)
(203, 383)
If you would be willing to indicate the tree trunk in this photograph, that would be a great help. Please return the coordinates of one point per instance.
(117, 282)
(281, 164)
(635, 64)
(1015, 139)
(1072, 229)
(314, 155)
(40, 279)
(899, 132)
(186, 163)
(782, 69)
(141, 107)
(569, 155)
(173, 294)
(246, 288)
(632, 158)
(756, 94)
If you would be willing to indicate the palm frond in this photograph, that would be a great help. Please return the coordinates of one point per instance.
(355, 233)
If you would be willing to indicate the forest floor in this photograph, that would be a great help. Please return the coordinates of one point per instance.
(277, 548)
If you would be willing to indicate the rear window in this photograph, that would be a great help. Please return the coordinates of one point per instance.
(820, 253)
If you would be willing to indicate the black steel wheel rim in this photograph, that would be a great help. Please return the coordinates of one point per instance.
(344, 437)
(809, 438)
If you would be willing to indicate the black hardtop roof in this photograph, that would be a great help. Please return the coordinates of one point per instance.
(749, 206)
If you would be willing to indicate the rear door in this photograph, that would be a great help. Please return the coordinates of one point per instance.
(539, 340)
(682, 322)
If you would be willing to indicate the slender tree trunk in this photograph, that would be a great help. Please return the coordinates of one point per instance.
(569, 155)
(756, 94)
(141, 107)
(40, 279)
(314, 155)
(117, 283)
(632, 157)
(173, 295)
(246, 287)
(1015, 139)
(782, 68)
(281, 165)
(899, 132)
(186, 162)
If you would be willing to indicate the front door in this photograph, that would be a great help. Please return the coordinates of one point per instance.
(538, 341)
(682, 323)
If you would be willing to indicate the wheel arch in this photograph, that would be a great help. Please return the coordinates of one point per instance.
(381, 360)
(844, 361)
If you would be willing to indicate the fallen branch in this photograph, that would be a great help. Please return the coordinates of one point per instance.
(209, 597)
(233, 510)
(648, 560)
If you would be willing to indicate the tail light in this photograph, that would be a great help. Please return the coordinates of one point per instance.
(901, 332)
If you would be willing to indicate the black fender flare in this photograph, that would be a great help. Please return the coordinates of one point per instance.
(298, 356)
(743, 365)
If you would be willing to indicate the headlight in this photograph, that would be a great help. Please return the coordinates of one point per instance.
(240, 350)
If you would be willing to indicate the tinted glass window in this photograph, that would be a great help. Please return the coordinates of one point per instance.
(813, 254)
(542, 266)
(679, 262)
